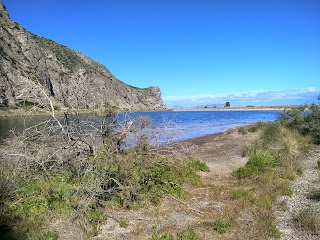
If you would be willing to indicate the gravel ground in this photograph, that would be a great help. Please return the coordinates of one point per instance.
(289, 206)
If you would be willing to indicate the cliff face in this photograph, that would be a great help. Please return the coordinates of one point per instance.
(67, 76)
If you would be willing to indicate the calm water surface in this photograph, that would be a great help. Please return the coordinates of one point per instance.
(190, 124)
(178, 125)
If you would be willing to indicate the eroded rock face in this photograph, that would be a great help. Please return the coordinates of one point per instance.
(70, 79)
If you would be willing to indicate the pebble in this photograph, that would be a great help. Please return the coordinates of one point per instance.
(289, 206)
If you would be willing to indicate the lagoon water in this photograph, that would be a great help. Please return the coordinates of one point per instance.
(191, 124)
(178, 126)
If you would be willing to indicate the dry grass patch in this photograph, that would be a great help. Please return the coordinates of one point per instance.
(314, 194)
(308, 220)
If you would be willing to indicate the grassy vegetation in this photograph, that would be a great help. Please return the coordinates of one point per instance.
(273, 162)
(259, 162)
(251, 128)
(69, 58)
(187, 234)
(221, 226)
(308, 220)
(34, 199)
(134, 180)
(123, 222)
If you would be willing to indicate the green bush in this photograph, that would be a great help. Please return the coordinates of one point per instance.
(36, 200)
(131, 179)
(65, 55)
(127, 180)
(271, 133)
(198, 165)
(260, 161)
(305, 121)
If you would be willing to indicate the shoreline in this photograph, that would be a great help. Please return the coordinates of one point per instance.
(13, 113)
(210, 136)
(22, 113)
(280, 108)
(18, 113)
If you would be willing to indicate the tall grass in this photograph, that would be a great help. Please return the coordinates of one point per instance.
(273, 163)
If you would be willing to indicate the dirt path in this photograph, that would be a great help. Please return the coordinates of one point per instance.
(222, 152)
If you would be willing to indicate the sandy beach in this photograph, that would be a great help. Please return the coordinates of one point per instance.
(222, 152)
(279, 108)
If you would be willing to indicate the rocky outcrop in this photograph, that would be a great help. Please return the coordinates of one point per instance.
(69, 78)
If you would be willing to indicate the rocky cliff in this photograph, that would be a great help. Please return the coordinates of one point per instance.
(69, 78)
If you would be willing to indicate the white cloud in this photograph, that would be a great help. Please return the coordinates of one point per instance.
(257, 98)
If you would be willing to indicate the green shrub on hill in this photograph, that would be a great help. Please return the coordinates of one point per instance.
(65, 55)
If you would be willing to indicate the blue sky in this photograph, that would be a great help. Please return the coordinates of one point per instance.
(198, 52)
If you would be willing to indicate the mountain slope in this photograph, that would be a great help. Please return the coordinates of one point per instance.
(67, 76)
